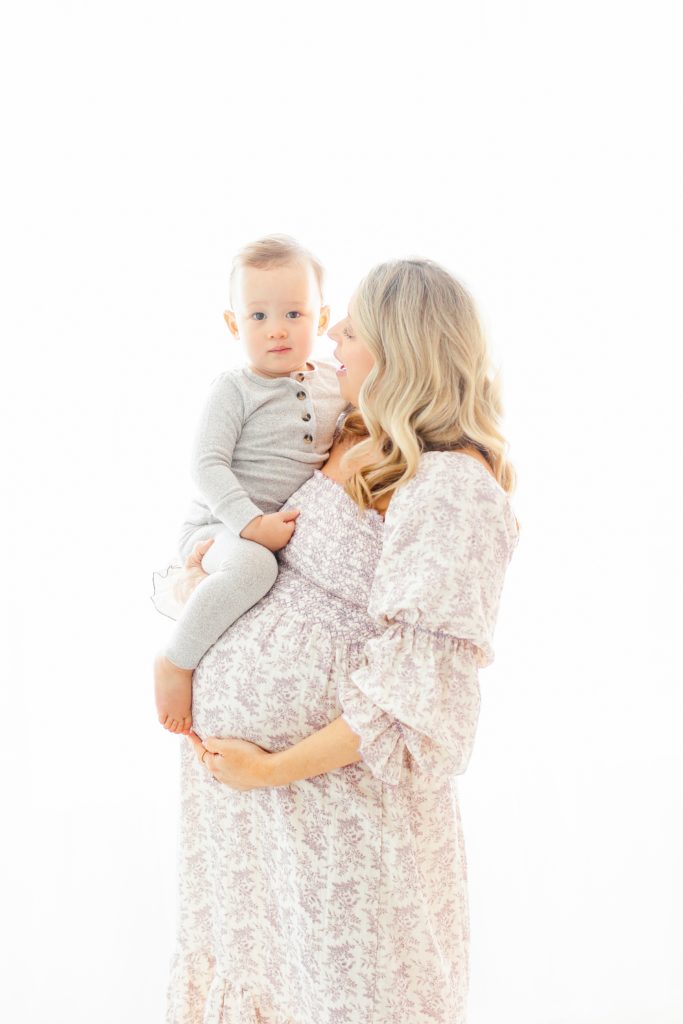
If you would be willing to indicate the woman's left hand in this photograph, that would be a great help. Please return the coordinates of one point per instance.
(237, 763)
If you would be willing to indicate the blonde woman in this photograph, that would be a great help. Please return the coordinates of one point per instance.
(322, 863)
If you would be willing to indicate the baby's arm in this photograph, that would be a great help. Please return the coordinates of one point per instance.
(218, 431)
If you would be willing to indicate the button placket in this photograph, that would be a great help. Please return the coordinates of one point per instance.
(306, 417)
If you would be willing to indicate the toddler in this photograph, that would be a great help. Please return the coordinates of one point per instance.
(265, 428)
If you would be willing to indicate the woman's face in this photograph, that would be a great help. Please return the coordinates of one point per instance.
(353, 354)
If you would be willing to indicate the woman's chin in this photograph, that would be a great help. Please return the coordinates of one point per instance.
(343, 385)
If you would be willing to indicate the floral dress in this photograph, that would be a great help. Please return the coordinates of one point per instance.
(342, 898)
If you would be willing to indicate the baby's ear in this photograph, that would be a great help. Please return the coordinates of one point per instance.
(324, 321)
(231, 321)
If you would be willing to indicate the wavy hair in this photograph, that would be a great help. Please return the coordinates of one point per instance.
(432, 387)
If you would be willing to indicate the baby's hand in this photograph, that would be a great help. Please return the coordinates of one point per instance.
(274, 531)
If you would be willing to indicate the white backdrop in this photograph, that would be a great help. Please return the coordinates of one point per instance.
(532, 147)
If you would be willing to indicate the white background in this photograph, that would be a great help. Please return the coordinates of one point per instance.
(535, 149)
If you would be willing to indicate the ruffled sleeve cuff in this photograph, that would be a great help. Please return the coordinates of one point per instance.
(382, 746)
(414, 702)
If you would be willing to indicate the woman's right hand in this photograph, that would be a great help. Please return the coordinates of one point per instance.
(193, 561)
(193, 574)
(274, 530)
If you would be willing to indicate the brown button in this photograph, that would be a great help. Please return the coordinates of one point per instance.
(301, 394)
(307, 437)
(306, 416)
(300, 376)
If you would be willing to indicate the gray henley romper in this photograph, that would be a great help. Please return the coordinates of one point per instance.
(258, 440)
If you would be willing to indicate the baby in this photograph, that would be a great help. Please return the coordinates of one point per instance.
(265, 428)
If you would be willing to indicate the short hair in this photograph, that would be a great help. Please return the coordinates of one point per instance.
(275, 251)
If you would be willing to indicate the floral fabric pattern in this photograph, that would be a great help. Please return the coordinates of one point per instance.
(342, 898)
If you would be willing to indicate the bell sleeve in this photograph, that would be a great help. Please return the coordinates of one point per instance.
(414, 701)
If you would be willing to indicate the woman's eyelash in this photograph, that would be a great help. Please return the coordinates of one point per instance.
(346, 333)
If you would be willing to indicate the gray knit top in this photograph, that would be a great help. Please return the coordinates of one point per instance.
(258, 440)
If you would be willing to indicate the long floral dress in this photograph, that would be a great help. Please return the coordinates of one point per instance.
(342, 898)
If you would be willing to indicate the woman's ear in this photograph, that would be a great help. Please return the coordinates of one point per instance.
(324, 321)
(231, 321)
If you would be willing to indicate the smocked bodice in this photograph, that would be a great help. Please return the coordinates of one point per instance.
(330, 535)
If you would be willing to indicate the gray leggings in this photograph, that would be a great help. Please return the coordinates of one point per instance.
(240, 571)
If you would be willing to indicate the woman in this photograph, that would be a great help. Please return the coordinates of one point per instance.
(322, 863)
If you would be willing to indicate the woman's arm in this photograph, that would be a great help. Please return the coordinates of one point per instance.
(333, 746)
(244, 765)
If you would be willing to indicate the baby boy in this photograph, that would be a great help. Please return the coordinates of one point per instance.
(266, 426)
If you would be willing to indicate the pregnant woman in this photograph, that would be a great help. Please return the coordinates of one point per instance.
(322, 863)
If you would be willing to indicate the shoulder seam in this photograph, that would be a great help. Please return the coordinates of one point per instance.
(423, 474)
(232, 375)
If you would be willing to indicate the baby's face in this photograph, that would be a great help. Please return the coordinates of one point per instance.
(277, 316)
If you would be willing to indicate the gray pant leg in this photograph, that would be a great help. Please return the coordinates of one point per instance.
(241, 573)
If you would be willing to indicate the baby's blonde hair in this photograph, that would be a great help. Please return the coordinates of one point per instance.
(431, 387)
(276, 251)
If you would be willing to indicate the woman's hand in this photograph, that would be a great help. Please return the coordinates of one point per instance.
(192, 573)
(237, 763)
(193, 563)
(194, 559)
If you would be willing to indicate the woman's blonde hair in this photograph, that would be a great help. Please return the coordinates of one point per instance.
(431, 387)
(276, 251)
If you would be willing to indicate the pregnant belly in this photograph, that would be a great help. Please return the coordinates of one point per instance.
(272, 677)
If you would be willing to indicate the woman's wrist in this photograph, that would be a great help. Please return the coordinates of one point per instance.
(334, 746)
(275, 769)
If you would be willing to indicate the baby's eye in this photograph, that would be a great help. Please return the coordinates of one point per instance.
(346, 333)
(259, 315)
(293, 313)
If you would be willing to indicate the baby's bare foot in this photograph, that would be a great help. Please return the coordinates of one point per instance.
(173, 694)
